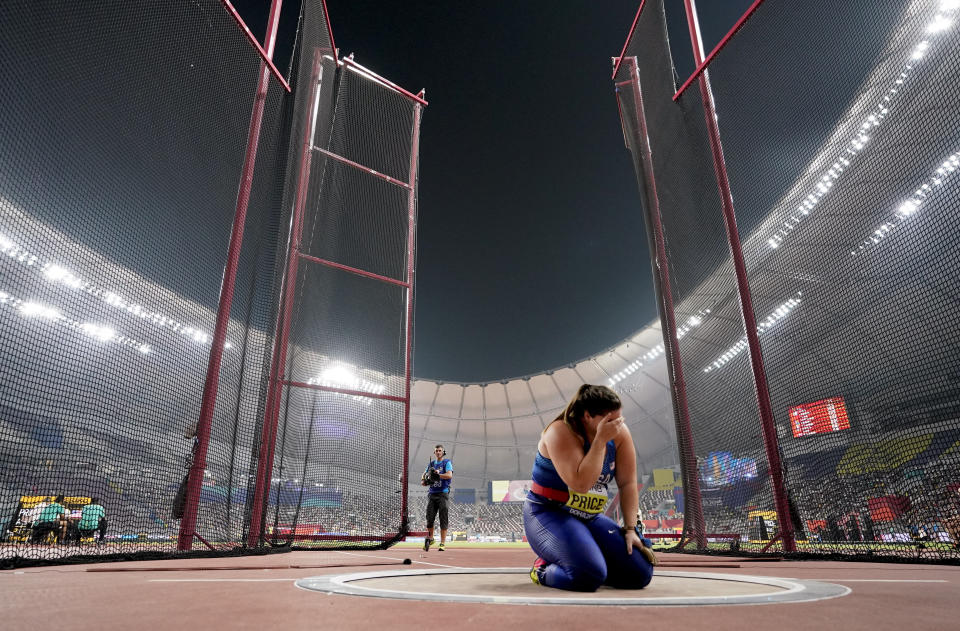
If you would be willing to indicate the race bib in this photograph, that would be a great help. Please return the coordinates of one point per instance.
(590, 503)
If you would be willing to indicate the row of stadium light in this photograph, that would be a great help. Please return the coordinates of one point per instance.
(338, 376)
(942, 21)
(768, 323)
(910, 207)
(658, 350)
(60, 275)
(99, 332)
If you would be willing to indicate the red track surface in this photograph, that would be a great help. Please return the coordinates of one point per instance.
(258, 593)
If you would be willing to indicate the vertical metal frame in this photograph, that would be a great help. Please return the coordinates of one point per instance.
(212, 381)
(411, 245)
(691, 484)
(271, 414)
(785, 526)
(277, 380)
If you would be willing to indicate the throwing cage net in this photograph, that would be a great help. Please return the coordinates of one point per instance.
(144, 147)
(830, 137)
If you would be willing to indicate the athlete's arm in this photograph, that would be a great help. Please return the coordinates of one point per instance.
(627, 484)
(578, 470)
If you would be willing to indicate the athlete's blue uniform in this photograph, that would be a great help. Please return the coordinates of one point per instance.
(582, 547)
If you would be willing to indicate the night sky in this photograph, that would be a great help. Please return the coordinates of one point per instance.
(532, 251)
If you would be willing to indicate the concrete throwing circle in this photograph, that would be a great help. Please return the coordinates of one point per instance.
(513, 586)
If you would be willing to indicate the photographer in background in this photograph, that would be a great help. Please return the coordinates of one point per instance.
(437, 476)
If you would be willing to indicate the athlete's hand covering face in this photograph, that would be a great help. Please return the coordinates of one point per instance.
(609, 426)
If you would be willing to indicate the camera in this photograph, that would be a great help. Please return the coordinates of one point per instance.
(429, 477)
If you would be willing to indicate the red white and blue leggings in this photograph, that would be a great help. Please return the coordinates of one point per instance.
(583, 555)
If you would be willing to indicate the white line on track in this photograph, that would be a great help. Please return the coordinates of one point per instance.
(875, 580)
(219, 580)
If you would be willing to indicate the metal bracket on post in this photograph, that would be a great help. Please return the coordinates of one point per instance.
(777, 537)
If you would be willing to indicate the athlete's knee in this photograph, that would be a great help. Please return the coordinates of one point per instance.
(643, 576)
(638, 577)
(587, 576)
(585, 582)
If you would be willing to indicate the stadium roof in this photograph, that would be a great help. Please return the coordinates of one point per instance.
(490, 430)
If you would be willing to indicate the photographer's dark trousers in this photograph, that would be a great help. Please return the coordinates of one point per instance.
(438, 503)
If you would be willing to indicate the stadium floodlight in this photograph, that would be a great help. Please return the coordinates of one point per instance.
(339, 375)
(6, 244)
(778, 314)
(911, 206)
(908, 207)
(940, 23)
(37, 310)
(101, 332)
(59, 274)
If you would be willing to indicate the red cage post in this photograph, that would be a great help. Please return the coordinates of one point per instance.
(411, 244)
(209, 398)
(268, 431)
(743, 287)
(671, 342)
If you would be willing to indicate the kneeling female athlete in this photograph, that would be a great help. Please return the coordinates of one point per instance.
(579, 453)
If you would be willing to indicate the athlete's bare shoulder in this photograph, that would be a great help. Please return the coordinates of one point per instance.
(558, 430)
(548, 436)
(560, 437)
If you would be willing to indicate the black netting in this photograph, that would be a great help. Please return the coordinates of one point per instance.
(373, 125)
(123, 138)
(351, 329)
(840, 149)
(361, 220)
(121, 160)
(340, 433)
(337, 470)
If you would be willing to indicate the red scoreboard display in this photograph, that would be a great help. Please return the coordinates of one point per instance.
(819, 417)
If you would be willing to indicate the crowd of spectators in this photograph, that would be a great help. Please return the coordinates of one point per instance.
(912, 505)
(502, 519)
(828, 508)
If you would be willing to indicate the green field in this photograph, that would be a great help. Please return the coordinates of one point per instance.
(467, 544)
